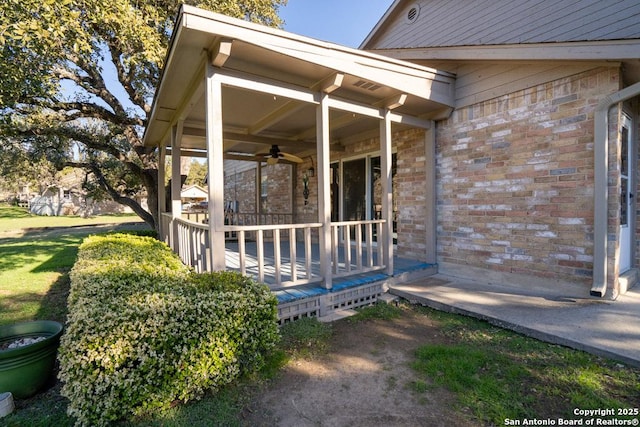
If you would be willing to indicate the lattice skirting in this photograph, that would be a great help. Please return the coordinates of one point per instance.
(294, 310)
(355, 297)
(322, 305)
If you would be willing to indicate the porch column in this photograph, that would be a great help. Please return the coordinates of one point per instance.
(324, 188)
(431, 198)
(215, 165)
(162, 202)
(386, 238)
(176, 181)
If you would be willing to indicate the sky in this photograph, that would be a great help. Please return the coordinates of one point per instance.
(346, 22)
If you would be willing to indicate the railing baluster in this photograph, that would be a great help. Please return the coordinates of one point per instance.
(369, 238)
(359, 246)
(276, 254)
(292, 255)
(307, 251)
(379, 246)
(242, 255)
(260, 248)
(334, 249)
(201, 251)
(347, 248)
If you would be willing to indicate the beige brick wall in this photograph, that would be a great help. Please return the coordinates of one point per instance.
(515, 179)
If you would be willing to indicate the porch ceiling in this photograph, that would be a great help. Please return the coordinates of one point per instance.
(253, 119)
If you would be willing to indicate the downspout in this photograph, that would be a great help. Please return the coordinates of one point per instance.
(601, 172)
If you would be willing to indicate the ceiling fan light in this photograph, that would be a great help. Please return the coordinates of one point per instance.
(272, 160)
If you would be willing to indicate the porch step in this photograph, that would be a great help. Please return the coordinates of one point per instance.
(628, 280)
(388, 298)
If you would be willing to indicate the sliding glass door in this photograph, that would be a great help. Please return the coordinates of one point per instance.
(356, 191)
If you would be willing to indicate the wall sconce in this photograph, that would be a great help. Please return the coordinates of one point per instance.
(305, 188)
(311, 171)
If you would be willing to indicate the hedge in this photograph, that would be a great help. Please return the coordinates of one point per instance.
(145, 332)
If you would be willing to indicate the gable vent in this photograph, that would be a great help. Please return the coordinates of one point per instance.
(367, 85)
(413, 13)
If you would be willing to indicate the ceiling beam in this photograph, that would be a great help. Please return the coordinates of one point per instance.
(194, 130)
(275, 116)
(328, 85)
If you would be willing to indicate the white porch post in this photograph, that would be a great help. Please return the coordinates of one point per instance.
(324, 188)
(162, 196)
(176, 181)
(431, 199)
(215, 162)
(386, 237)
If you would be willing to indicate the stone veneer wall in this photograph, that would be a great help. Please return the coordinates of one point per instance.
(515, 179)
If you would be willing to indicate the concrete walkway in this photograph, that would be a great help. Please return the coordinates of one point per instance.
(560, 315)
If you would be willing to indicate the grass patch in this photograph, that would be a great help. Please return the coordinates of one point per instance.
(381, 311)
(37, 269)
(221, 409)
(499, 374)
(13, 218)
(306, 337)
(35, 265)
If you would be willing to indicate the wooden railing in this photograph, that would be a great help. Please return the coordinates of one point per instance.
(354, 247)
(193, 246)
(246, 219)
(287, 257)
(201, 217)
(298, 266)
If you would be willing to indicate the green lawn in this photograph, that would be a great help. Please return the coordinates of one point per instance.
(13, 219)
(34, 265)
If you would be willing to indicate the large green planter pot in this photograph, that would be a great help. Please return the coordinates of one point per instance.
(24, 370)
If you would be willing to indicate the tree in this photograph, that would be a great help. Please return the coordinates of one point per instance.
(197, 173)
(55, 89)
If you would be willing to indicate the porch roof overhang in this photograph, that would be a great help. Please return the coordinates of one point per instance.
(255, 115)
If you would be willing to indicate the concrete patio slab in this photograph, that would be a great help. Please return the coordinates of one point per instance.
(562, 315)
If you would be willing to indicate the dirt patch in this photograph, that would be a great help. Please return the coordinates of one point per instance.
(365, 379)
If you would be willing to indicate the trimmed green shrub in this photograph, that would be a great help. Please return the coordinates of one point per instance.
(144, 332)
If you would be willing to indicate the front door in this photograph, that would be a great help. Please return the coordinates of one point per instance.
(627, 167)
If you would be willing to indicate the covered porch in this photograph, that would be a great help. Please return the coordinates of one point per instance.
(233, 91)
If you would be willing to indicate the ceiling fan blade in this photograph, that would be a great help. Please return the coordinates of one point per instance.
(291, 158)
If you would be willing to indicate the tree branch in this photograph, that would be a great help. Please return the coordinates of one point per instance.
(115, 195)
(91, 110)
(126, 78)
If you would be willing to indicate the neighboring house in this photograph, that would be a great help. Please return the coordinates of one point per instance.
(489, 139)
(193, 194)
(68, 197)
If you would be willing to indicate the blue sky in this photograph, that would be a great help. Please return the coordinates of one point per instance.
(346, 22)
